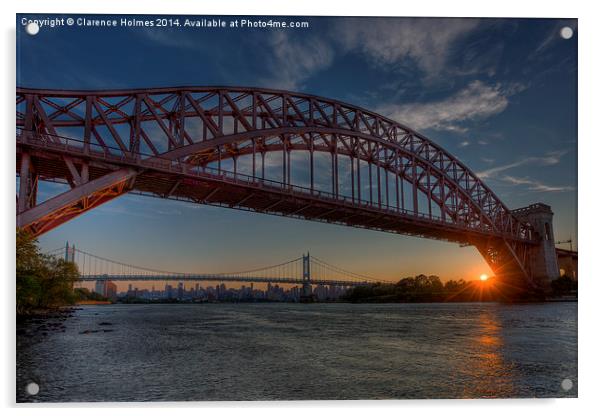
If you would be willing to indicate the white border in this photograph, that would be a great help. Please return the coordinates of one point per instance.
(590, 93)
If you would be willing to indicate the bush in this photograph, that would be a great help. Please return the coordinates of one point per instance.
(81, 293)
(42, 281)
(563, 286)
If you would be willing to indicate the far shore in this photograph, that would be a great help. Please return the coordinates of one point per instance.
(93, 302)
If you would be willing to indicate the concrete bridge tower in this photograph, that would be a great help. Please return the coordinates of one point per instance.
(543, 261)
(69, 252)
(306, 295)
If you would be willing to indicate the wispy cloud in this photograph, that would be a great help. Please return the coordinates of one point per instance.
(293, 60)
(416, 43)
(475, 102)
(549, 159)
(534, 185)
(426, 43)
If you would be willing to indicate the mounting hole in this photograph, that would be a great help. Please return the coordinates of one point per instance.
(32, 28)
(566, 32)
(567, 384)
(32, 389)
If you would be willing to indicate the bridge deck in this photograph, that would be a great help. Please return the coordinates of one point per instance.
(218, 278)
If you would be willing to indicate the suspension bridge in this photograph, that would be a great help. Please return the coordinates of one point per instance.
(267, 151)
(305, 270)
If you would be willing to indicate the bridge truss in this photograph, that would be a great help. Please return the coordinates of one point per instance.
(261, 150)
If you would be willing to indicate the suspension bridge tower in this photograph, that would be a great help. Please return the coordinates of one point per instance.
(306, 295)
(69, 252)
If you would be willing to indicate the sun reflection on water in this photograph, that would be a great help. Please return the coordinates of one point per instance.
(488, 373)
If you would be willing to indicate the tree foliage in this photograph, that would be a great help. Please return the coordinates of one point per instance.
(421, 288)
(564, 286)
(424, 288)
(42, 281)
(82, 293)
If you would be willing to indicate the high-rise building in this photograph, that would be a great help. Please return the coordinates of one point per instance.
(180, 290)
(100, 287)
(110, 290)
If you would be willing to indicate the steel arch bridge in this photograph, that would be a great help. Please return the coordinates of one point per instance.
(262, 150)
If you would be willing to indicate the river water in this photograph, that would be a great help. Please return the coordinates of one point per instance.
(283, 351)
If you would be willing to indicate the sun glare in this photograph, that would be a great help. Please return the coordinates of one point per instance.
(484, 277)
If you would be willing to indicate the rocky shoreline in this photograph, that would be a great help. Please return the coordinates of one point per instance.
(42, 321)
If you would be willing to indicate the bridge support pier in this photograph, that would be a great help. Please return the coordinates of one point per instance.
(542, 260)
(28, 185)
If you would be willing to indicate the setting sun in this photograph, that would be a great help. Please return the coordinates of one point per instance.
(484, 277)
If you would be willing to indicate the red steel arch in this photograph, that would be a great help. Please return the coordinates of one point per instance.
(223, 145)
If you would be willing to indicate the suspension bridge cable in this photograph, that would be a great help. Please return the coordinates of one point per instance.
(98, 259)
(343, 271)
(260, 269)
(290, 270)
(51, 252)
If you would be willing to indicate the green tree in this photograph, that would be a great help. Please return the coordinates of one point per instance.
(28, 270)
(435, 285)
(82, 293)
(41, 281)
(423, 288)
(57, 283)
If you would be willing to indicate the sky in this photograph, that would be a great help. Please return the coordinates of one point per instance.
(499, 94)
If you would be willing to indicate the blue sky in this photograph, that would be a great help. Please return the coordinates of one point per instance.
(500, 94)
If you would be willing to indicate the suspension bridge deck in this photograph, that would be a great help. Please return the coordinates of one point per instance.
(220, 278)
(302, 270)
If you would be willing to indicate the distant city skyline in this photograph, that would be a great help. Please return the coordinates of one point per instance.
(212, 292)
(500, 94)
